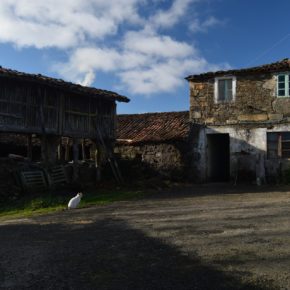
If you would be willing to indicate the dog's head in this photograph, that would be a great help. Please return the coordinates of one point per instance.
(80, 194)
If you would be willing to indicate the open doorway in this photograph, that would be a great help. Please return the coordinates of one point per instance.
(218, 157)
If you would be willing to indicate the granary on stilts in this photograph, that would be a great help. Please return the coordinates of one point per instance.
(52, 115)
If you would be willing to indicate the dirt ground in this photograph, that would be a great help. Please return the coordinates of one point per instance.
(198, 237)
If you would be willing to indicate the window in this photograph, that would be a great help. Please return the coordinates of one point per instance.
(225, 89)
(283, 85)
(278, 145)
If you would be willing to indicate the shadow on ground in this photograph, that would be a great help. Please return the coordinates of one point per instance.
(107, 254)
(191, 190)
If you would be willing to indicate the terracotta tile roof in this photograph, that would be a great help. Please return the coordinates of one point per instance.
(68, 86)
(152, 127)
(279, 66)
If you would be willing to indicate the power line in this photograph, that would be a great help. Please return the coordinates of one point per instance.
(269, 49)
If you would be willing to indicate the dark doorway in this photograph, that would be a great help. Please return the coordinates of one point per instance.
(218, 157)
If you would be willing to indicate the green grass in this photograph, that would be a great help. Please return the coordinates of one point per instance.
(47, 203)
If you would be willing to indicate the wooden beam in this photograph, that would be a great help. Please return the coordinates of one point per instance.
(44, 153)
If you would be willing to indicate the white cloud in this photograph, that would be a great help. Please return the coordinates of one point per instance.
(111, 36)
(161, 77)
(63, 24)
(156, 45)
(171, 16)
(202, 26)
(141, 70)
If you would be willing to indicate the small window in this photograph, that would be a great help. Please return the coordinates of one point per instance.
(225, 89)
(278, 145)
(283, 85)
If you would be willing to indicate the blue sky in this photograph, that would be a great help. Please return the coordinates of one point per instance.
(142, 49)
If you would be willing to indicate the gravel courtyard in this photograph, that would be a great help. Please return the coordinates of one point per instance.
(198, 237)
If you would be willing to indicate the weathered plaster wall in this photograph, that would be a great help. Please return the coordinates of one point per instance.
(255, 101)
(245, 147)
(248, 152)
(166, 158)
(255, 111)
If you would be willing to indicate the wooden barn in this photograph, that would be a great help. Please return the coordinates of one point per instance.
(48, 109)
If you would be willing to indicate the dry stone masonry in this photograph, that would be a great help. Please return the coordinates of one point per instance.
(235, 135)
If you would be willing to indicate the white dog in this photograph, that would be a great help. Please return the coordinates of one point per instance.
(74, 202)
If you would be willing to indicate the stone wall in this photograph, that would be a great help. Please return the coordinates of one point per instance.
(255, 111)
(167, 159)
(255, 101)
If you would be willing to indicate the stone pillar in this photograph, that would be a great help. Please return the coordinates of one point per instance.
(96, 155)
(52, 146)
(83, 150)
(97, 165)
(29, 146)
(44, 154)
(75, 158)
(67, 150)
(60, 151)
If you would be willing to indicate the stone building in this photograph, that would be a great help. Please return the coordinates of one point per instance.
(158, 140)
(241, 120)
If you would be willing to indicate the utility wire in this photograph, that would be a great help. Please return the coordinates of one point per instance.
(269, 49)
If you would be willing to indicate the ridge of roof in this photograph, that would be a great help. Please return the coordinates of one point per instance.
(61, 84)
(155, 113)
(280, 65)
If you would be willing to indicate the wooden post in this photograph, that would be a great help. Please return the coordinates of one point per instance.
(44, 153)
(75, 158)
(29, 146)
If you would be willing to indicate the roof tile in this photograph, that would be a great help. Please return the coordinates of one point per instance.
(62, 84)
(282, 65)
(152, 127)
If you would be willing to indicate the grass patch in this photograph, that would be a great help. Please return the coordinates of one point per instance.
(45, 203)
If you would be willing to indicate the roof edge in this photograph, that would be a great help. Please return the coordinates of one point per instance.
(281, 65)
(61, 84)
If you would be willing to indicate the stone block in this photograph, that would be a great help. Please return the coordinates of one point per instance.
(209, 120)
(196, 115)
(253, 117)
(199, 86)
(232, 121)
(282, 105)
(269, 84)
(275, 116)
